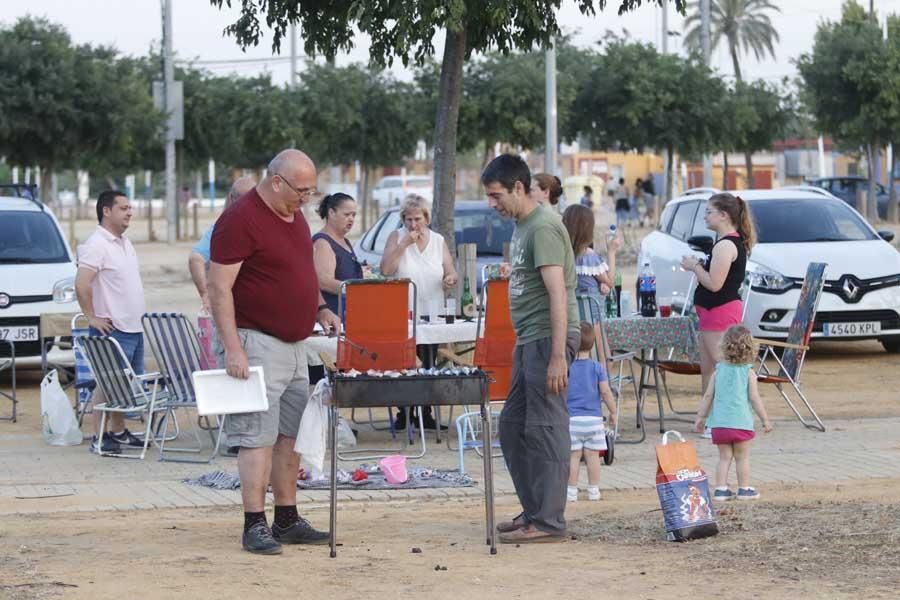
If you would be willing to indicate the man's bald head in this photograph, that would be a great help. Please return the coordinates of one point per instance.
(241, 186)
(290, 163)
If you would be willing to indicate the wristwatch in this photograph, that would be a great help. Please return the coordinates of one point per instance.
(321, 308)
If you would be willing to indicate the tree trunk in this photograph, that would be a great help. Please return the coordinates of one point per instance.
(892, 212)
(445, 129)
(670, 183)
(748, 165)
(872, 196)
(46, 186)
(364, 196)
(725, 170)
(732, 48)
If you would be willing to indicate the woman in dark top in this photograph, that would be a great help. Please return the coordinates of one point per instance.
(333, 254)
(717, 297)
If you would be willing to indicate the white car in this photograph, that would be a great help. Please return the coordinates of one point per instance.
(861, 298)
(37, 275)
(391, 190)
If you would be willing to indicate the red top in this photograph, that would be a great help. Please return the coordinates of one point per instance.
(276, 291)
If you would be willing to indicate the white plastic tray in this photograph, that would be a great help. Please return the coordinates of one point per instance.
(220, 394)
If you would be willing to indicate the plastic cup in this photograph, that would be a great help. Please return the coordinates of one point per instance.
(665, 310)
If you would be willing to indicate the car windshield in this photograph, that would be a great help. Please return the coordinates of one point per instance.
(30, 237)
(792, 221)
(485, 228)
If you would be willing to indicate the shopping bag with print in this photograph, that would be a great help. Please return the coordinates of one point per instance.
(683, 491)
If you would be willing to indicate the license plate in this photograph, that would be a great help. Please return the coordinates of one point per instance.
(851, 329)
(24, 333)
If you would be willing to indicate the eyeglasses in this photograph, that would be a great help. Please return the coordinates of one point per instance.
(302, 192)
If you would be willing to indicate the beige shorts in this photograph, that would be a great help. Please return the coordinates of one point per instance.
(287, 388)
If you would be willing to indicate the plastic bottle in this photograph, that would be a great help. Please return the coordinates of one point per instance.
(626, 304)
(647, 290)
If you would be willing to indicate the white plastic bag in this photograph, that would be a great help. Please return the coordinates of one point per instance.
(345, 437)
(311, 437)
(58, 423)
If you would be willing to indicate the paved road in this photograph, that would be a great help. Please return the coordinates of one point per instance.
(30, 469)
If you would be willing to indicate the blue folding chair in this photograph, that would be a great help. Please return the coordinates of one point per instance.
(84, 377)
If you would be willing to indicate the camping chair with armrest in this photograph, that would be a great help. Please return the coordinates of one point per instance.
(377, 336)
(495, 343)
(125, 391)
(788, 366)
(174, 343)
(619, 359)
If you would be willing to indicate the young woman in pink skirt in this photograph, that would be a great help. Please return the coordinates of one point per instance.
(728, 400)
(717, 297)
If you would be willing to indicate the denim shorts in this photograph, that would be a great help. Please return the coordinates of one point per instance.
(132, 344)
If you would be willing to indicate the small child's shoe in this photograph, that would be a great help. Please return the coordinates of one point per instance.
(594, 493)
(572, 494)
(747, 493)
(723, 495)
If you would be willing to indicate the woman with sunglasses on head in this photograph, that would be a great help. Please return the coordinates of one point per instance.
(717, 295)
(333, 253)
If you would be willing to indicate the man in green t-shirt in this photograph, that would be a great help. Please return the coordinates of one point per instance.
(534, 423)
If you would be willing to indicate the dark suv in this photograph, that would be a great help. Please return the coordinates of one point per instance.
(846, 188)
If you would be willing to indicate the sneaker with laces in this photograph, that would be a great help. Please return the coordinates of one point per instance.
(300, 532)
(747, 493)
(110, 445)
(126, 438)
(594, 493)
(572, 494)
(259, 540)
(723, 495)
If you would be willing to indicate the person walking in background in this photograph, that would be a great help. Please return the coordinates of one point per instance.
(719, 278)
(725, 409)
(588, 198)
(333, 253)
(534, 423)
(198, 261)
(650, 199)
(621, 203)
(588, 391)
(265, 299)
(636, 207)
(111, 296)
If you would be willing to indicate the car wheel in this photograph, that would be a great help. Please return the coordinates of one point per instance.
(891, 346)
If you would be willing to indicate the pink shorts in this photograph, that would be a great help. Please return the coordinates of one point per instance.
(726, 435)
(721, 317)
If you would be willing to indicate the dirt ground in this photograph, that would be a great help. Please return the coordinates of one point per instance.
(834, 542)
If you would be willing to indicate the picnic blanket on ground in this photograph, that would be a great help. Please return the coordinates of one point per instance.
(419, 478)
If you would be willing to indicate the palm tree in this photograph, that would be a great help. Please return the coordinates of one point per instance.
(745, 25)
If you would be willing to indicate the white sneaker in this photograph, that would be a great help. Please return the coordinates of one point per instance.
(594, 493)
(572, 494)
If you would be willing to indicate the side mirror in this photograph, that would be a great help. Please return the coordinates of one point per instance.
(886, 235)
(701, 243)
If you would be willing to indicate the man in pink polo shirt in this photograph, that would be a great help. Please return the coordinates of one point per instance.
(111, 295)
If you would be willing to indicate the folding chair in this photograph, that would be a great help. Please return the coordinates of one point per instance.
(9, 363)
(377, 336)
(124, 390)
(84, 378)
(175, 345)
(789, 365)
(495, 343)
(619, 359)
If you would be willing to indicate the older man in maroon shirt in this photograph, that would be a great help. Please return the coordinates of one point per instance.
(265, 300)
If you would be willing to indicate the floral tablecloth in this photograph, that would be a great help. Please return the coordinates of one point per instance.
(648, 333)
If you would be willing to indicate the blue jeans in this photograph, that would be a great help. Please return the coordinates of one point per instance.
(132, 344)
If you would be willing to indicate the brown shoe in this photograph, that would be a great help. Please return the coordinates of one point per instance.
(530, 535)
(517, 522)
